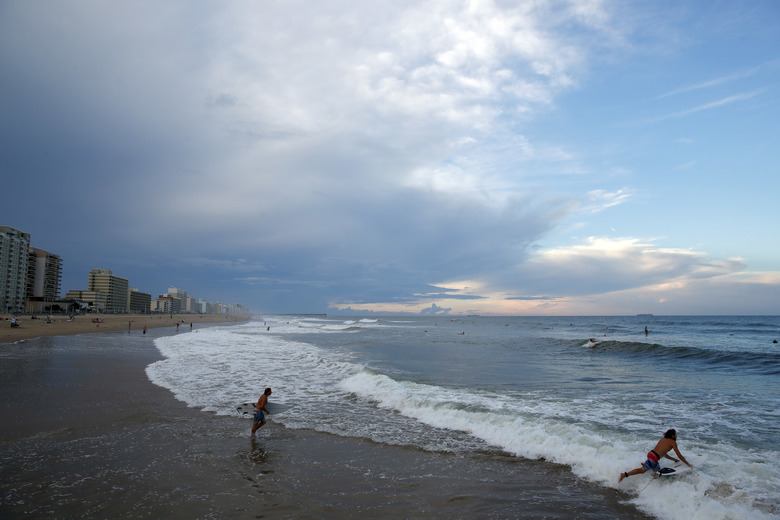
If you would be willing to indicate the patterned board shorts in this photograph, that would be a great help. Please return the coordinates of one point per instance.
(652, 462)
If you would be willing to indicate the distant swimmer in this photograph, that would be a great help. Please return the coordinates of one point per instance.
(654, 456)
(259, 417)
(646, 331)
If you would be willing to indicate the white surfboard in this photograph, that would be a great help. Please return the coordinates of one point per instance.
(680, 468)
(248, 409)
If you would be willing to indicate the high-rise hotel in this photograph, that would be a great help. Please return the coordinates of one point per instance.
(114, 287)
(30, 280)
(26, 273)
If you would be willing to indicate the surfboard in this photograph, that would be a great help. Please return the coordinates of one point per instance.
(248, 409)
(671, 473)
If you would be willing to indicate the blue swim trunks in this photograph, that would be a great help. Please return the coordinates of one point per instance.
(652, 462)
(259, 416)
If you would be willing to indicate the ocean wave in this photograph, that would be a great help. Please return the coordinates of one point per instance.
(595, 429)
(534, 426)
(756, 362)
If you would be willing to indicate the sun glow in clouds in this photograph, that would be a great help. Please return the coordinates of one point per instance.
(440, 156)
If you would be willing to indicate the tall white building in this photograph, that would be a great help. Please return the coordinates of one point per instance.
(14, 253)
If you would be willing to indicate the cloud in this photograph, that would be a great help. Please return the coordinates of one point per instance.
(615, 274)
(600, 200)
(602, 265)
(238, 264)
(307, 124)
(720, 80)
(534, 298)
(317, 154)
(434, 309)
(708, 106)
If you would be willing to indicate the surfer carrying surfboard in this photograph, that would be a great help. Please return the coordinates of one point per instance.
(662, 449)
(259, 417)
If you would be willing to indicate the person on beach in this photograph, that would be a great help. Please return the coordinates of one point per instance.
(654, 456)
(259, 418)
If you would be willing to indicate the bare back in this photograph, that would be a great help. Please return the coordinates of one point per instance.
(664, 446)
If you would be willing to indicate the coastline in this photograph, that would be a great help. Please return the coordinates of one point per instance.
(135, 323)
(116, 445)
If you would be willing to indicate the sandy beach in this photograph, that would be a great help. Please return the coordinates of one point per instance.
(135, 323)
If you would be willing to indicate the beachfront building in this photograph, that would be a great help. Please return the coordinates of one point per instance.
(112, 286)
(95, 301)
(181, 294)
(188, 303)
(44, 274)
(230, 308)
(205, 307)
(138, 302)
(166, 304)
(14, 266)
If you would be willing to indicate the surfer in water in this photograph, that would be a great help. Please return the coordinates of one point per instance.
(662, 449)
(259, 417)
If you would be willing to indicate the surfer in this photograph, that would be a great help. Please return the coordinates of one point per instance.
(662, 449)
(259, 417)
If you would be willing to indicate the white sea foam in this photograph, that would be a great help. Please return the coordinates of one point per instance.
(219, 367)
(732, 488)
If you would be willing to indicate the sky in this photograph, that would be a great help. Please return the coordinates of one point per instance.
(590, 157)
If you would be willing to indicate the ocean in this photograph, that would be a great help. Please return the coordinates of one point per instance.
(530, 388)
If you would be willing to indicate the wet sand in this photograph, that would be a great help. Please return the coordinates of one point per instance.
(86, 435)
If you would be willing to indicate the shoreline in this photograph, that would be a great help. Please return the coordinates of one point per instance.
(117, 445)
(134, 323)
